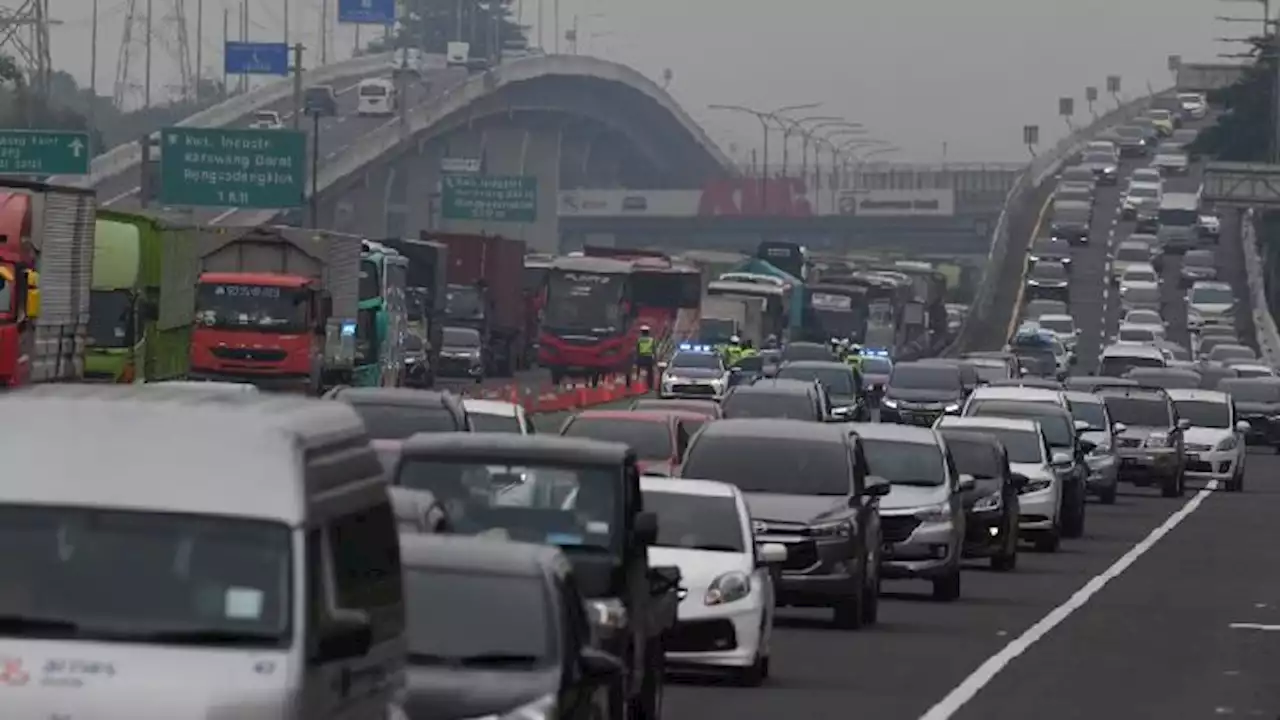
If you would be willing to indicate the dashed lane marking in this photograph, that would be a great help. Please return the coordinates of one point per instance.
(1254, 626)
(987, 671)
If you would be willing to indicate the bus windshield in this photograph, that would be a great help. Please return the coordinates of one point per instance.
(585, 302)
(370, 279)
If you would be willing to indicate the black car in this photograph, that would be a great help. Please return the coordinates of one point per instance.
(796, 351)
(1049, 279)
(991, 508)
(497, 630)
(1049, 248)
(1071, 221)
(1131, 141)
(776, 398)
(1064, 440)
(584, 496)
(1094, 383)
(843, 384)
(1104, 167)
(749, 369)
(808, 488)
(462, 354)
(1258, 403)
(397, 413)
(919, 393)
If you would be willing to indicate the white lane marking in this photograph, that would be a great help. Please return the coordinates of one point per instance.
(1254, 626)
(121, 196)
(987, 671)
(223, 215)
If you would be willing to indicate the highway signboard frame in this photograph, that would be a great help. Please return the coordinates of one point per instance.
(255, 58)
(218, 167)
(367, 12)
(44, 152)
(489, 198)
(470, 165)
(1242, 184)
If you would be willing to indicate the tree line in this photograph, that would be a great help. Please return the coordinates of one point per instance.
(430, 25)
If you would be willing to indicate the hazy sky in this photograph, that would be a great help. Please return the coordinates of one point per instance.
(918, 73)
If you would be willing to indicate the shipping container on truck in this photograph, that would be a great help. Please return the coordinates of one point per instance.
(486, 292)
(428, 261)
(46, 264)
(275, 306)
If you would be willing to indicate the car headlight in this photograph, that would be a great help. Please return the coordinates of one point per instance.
(1036, 486)
(952, 407)
(543, 708)
(1100, 450)
(608, 613)
(1227, 443)
(717, 383)
(934, 513)
(839, 529)
(670, 379)
(1109, 170)
(1158, 441)
(728, 588)
(889, 403)
(994, 501)
(474, 354)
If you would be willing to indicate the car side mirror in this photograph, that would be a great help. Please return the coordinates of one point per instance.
(646, 529)
(1081, 426)
(771, 554)
(1060, 459)
(967, 483)
(662, 365)
(1118, 428)
(599, 668)
(876, 486)
(1243, 427)
(1184, 424)
(1019, 481)
(347, 634)
(735, 370)
(31, 288)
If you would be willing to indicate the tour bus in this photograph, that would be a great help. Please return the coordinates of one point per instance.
(377, 96)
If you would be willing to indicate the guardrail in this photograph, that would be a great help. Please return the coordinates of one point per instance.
(983, 314)
(123, 157)
(1264, 325)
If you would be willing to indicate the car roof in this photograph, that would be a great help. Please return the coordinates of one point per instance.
(1056, 316)
(1177, 394)
(776, 386)
(394, 396)
(515, 447)
(1162, 372)
(1134, 391)
(893, 431)
(814, 365)
(996, 405)
(499, 408)
(475, 554)
(1211, 285)
(1146, 327)
(1253, 366)
(1081, 397)
(688, 486)
(1135, 243)
(989, 422)
(1021, 393)
(1139, 267)
(1131, 350)
(775, 428)
(649, 416)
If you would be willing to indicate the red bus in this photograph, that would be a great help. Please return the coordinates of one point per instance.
(666, 296)
(589, 326)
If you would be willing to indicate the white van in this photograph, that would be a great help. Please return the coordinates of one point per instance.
(377, 96)
(197, 555)
(1120, 358)
(456, 54)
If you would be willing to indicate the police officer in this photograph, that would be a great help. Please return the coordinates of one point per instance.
(771, 342)
(732, 351)
(837, 349)
(645, 348)
(854, 357)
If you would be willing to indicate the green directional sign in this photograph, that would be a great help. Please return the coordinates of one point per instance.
(44, 152)
(233, 168)
(501, 198)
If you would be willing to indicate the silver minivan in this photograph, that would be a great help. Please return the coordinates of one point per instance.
(195, 555)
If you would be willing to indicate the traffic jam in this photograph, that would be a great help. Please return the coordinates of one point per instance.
(452, 479)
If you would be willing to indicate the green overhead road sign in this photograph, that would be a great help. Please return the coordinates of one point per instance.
(44, 152)
(233, 168)
(501, 198)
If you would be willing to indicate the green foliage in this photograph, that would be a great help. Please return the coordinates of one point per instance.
(430, 25)
(1243, 132)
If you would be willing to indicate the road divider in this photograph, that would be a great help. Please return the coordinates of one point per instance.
(550, 398)
(1264, 325)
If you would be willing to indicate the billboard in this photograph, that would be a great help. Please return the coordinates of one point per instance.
(620, 203)
(739, 197)
(897, 203)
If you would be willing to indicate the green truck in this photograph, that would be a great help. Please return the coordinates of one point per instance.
(131, 337)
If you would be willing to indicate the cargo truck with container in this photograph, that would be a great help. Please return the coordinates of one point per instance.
(46, 264)
(425, 294)
(485, 292)
(381, 317)
(275, 306)
(723, 317)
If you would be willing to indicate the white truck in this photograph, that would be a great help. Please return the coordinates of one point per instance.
(723, 317)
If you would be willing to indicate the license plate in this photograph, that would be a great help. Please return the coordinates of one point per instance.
(1128, 462)
(1193, 457)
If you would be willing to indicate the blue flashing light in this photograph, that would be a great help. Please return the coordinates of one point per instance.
(687, 347)
(875, 352)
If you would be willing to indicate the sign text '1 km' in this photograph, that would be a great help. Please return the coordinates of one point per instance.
(43, 152)
(233, 168)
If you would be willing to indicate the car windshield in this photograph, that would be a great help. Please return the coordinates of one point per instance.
(110, 318)
(1057, 426)
(905, 463)
(1142, 294)
(493, 423)
(1129, 131)
(1139, 334)
(1246, 390)
(460, 337)
(696, 361)
(1049, 271)
(1101, 158)
(1144, 192)
(991, 371)
(1139, 411)
(1143, 317)
(925, 377)
(1139, 275)
(1205, 413)
(1198, 258)
(876, 365)
(650, 439)
(1133, 253)
(977, 459)
(1023, 446)
(755, 403)
(175, 578)
(1212, 296)
(268, 117)
(1092, 413)
(696, 522)
(1118, 365)
(473, 619)
(397, 422)
(771, 465)
(837, 380)
(1070, 215)
(570, 506)
(1063, 324)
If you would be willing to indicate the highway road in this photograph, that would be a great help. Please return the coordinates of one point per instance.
(336, 134)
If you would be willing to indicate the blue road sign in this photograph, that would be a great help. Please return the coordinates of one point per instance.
(367, 12)
(256, 58)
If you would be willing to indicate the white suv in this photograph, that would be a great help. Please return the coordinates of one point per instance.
(1215, 442)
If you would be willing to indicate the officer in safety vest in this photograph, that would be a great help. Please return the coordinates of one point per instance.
(748, 350)
(854, 357)
(645, 348)
(732, 351)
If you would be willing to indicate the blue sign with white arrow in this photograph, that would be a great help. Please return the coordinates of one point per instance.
(367, 12)
(256, 58)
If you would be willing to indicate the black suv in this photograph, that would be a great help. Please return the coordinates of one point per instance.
(991, 507)
(842, 383)
(1150, 448)
(808, 488)
(1258, 403)
(777, 398)
(397, 413)
(918, 393)
(584, 496)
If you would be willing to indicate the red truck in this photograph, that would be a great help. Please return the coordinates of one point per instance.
(485, 291)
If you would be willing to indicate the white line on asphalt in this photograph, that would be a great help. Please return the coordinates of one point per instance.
(121, 196)
(987, 671)
(1254, 626)
(223, 215)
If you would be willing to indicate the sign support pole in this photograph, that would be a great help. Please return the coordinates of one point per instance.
(315, 169)
(297, 86)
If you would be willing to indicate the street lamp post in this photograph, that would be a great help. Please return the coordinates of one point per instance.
(844, 126)
(797, 126)
(851, 147)
(764, 118)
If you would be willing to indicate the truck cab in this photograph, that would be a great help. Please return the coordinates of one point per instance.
(19, 304)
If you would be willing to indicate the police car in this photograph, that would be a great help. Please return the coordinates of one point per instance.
(694, 371)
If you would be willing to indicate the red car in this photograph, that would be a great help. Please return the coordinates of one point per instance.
(658, 437)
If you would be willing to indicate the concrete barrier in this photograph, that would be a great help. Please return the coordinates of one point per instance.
(1264, 325)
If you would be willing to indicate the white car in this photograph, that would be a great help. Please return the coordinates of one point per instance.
(1210, 303)
(1143, 317)
(497, 416)
(1063, 328)
(1014, 393)
(1147, 175)
(1215, 442)
(1136, 295)
(1040, 498)
(266, 120)
(695, 371)
(1129, 253)
(1171, 162)
(1141, 199)
(1139, 334)
(1193, 104)
(705, 529)
(1139, 273)
(1210, 225)
(1253, 370)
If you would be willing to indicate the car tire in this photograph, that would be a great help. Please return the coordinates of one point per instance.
(1006, 560)
(947, 587)
(1172, 486)
(1236, 483)
(1107, 495)
(752, 675)
(871, 597)
(847, 612)
(1073, 521)
(1048, 542)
